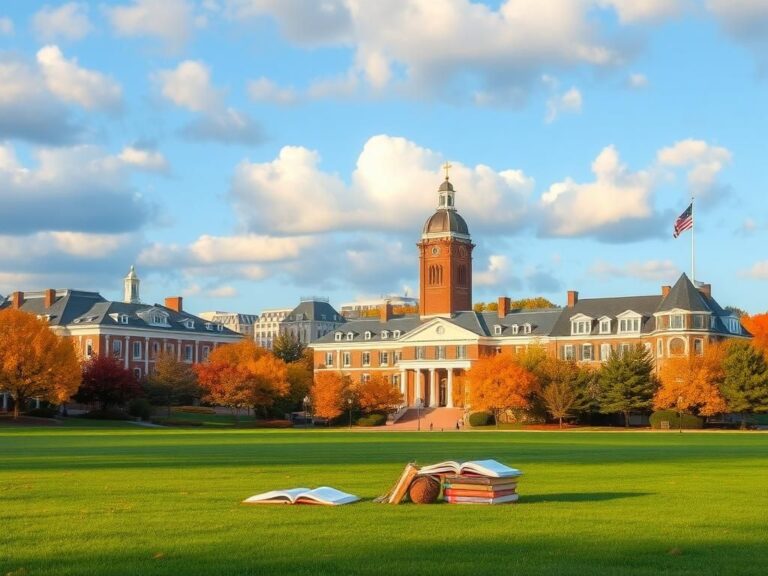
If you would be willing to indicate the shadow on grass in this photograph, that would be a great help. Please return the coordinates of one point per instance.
(578, 497)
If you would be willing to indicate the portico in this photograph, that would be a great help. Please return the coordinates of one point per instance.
(430, 384)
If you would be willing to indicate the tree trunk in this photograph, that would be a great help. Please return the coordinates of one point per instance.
(743, 420)
(560, 421)
(626, 419)
(16, 405)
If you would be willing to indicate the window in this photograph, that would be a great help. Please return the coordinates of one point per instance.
(605, 352)
(676, 322)
(581, 327)
(396, 334)
(421, 353)
(117, 348)
(206, 352)
(461, 352)
(676, 347)
(367, 335)
(124, 319)
(586, 352)
(155, 349)
(383, 358)
(328, 359)
(346, 359)
(440, 352)
(137, 350)
(365, 378)
(515, 328)
(733, 325)
(629, 325)
(366, 358)
(698, 347)
(398, 356)
(384, 334)
(208, 326)
(169, 348)
(605, 326)
(88, 348)
(137, 373)
(699, 322)
(497, 330)
(350, 335)
(625, 348)
(396, 380)
(338, 336)
(188, 353)
(527, 328)
(568, 352)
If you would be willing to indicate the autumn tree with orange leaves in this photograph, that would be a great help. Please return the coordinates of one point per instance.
(692, 384)
(34, 362)
(498, 383)
(757, 325)
(243, 375)
(330, 391)
(378, 395)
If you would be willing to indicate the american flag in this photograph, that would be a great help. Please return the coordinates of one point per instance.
(684, 221)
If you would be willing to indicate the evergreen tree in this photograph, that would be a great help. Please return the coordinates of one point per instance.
(627, 383)
(171, 382)
(745, 382)
(288, 348)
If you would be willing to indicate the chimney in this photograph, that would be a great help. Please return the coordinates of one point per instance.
(174, 303)
(385, 312)
(49, 297)
(665, 290)
(573, 297)
(706, 289)
(503, 308)
(17, 300)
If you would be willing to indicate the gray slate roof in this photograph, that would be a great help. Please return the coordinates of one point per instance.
(598, 307)
(315, 311)
(685, 296)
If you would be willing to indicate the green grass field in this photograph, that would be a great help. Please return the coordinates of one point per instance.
(127, 500)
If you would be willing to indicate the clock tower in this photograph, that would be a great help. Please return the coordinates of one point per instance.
(445, 258)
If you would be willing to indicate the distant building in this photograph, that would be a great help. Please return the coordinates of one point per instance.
(267, 327)
(241, 323)
(363, 308)
(134, 333)
(312, 319)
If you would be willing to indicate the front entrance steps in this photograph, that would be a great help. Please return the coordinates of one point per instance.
(440, 418)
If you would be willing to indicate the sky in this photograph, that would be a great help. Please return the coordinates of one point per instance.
(246, 153)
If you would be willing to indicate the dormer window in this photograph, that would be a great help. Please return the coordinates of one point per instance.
(527, 328)
(605, 325)
(208, 326)
(338, 336)
(581, 325)
(497, 330)
(676, 322)
(515, 329)
(189, 324)
(630, 322)
(367, 335)
(123, 318)
(350, 335)
(384, 334)
(396, 334)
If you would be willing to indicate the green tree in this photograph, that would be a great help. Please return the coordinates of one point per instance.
(563, 387)
(627, 383)
(288, 348)
(171, 382)
(745, 380)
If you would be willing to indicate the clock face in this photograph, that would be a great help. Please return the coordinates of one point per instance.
(435, 251)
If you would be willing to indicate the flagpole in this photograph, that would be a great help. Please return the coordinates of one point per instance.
(693, 245)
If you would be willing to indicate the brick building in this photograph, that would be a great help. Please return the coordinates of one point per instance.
(423, 354)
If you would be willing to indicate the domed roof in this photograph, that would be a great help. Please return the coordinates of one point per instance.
(445, 186)
(446, 221)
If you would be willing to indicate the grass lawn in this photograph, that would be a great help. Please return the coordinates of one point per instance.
(129, 500)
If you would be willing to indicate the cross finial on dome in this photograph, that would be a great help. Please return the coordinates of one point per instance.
(447, 166)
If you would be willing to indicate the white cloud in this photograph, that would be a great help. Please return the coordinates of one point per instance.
(189, 86)
(6, 26)
(631, 11)
(245, 249)
(615, 197)
(223, 292)
(144, 159)
(703, 161)
(637, 81)
(651, 270)
(343, 86)
(82, 245)
(265, 90)
(70, 83)
(293, 195)
(569, 101)
(758, 271)
(496, 273)
(227, 126)
(169, 20)
(67, 22)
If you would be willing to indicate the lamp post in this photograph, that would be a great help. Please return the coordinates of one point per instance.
(307, 403)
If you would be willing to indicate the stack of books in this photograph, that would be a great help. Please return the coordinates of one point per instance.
(476, 482)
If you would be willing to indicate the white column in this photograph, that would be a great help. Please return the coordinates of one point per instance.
(404, 385)
(106, 345)
(146, 355)
(432, 388)
(5, 401)
(37, 402)
(127, 351)
(417, 387)
(449, 389)
(178, 352)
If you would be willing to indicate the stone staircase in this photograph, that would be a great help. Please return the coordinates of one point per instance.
(441, 419)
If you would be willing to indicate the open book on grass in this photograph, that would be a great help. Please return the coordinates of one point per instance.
(490, 468)
(323, 495)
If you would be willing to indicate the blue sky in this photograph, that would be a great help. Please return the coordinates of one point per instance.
(244, 153)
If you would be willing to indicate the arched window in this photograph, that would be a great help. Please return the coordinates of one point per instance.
(440, 275)
(677, 347)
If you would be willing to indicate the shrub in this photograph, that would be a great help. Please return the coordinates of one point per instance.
(109, 414)
(266, 424)
(195, 410)
(481, 419)
(140, 408)
(175, 422)
(690, 422)
(43, 412)
(374, 419)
